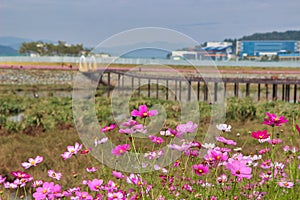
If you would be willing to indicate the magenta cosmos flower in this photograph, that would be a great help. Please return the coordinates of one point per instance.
(108, 128)
(143, 112)
(298, 128)
(19, 174)
(260, 134)
(239, 169)
(200, 169)
(120, 149)
(2, 179)
(32, 162)
(274, 120)
(155, 139)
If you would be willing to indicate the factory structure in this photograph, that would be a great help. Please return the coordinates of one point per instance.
(260, 50)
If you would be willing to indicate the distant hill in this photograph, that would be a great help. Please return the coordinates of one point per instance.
(13, 42)
(288, 35)
(8, 51)
(16, 42)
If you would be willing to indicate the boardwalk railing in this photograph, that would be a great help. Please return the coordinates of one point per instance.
(204, 89)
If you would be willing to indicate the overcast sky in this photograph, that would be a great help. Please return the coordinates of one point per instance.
(92, 21)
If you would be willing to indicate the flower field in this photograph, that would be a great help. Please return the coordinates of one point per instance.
(256, 154)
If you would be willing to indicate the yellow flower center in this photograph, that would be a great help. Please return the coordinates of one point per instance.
(200, 171)
(32, 162)
(145, 114)
(218, 157)
(260, 137)
(276, 119)
(44, 191)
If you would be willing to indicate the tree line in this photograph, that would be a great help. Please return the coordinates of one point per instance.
(49, 49)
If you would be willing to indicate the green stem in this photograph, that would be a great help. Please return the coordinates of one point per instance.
(17, 192)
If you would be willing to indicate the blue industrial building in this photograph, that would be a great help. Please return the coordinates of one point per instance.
(213, 50)
(266, 47)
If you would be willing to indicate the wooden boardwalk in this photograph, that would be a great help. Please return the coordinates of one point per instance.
(205, 89)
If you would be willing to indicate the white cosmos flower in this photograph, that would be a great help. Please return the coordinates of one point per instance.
(224, 127)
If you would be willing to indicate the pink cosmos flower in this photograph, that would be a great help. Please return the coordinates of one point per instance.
(37, 183)
(226, 141)
(9, 185)
(19, 174)
(288, 148)
(182, 129)
(274, 141)
(143, 112)
(120, 149)
(274, 120)
(72, 150)
(108, 128)
(55, 192)
(187, 187)
(260, 134)
(129, 123)
(222, 178)
(22, 181)
(101, 141)
(111, 186)
(118, 175)
(83, 196)
(239, 169)
(189, 127)
(135, 179)
(189, 152)
(157, 167)
(218, 155)
(91, 169)
(32, 162)
(2, 179)
(154, 154)
(201, 169)
(136, 128)
(47, 191)
(184, 146)
(263, 151)
(286, 184)
(120, 195)
(157, 140)
(55, 175)
(266, 164)
(74, 189)
(95, 185)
